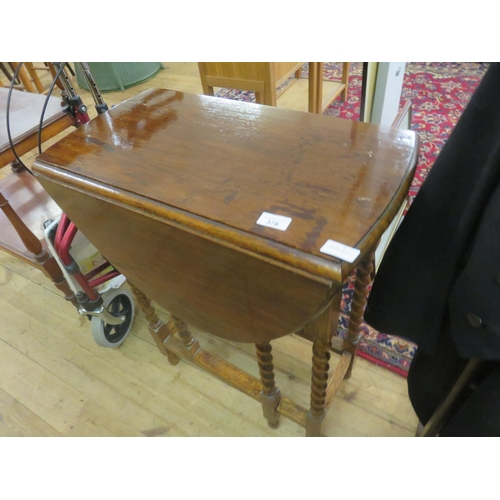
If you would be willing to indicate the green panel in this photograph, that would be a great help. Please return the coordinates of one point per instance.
(112, 76)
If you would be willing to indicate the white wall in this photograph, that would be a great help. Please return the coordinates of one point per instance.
(387, 92)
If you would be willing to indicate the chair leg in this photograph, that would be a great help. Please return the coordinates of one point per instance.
(6, 70)
(270, 395)
(25, 78)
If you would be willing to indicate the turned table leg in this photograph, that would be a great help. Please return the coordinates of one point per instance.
(320, 331)
(364, 274)
(155, 324)
(270, 395)
(317, 410)
(178, 326)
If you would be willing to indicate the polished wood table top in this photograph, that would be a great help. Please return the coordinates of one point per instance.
(227, 162)
(241, 220)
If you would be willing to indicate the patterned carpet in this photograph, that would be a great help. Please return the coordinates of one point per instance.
(439, 93)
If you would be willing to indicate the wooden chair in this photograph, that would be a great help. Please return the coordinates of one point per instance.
(28, 78)
(264, 78)
(23, 201)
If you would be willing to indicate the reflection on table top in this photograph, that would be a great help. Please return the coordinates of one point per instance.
(228, 162)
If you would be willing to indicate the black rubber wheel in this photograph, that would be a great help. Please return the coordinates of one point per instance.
(118, 303)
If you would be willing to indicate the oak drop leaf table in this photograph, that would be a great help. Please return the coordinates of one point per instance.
(242, 220)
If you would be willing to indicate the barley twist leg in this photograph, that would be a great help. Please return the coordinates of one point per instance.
(155, 323)
(183, 331)
(363, 279)
(321, 358)
(270, 395)
(176, 325)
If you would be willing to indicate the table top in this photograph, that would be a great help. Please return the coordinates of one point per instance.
(24, 116)
(225, 163)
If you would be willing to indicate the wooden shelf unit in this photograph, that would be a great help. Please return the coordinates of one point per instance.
(313, 94)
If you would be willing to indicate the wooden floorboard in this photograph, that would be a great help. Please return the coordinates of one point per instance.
(55, 381)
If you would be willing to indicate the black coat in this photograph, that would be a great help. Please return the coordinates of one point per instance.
(445, 257)
(439, 282)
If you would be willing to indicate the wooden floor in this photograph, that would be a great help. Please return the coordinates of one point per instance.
(55, 381)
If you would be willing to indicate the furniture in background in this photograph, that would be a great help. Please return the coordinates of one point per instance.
(242, 221)
(24, 204)
(24, 117)
(112, 76)
(266, 79)
(327, 91)
(27, 78)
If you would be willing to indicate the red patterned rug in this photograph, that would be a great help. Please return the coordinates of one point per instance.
(439, 93)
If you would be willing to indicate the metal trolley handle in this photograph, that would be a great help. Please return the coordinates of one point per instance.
(74, 101)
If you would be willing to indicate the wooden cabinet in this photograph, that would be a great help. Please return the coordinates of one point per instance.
(311, 94)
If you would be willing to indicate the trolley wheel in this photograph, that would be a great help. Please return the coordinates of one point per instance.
(118, 303)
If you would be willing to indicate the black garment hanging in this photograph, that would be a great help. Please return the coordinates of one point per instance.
(439, 282)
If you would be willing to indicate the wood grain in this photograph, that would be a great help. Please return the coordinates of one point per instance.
(372, 402)
(230, 161)
(186, 177)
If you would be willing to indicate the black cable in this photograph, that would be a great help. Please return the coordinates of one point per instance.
(51, 88)
(68, 65)
(7, 117)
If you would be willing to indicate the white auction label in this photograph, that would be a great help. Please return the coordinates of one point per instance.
(336, 249)
(275, 221)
